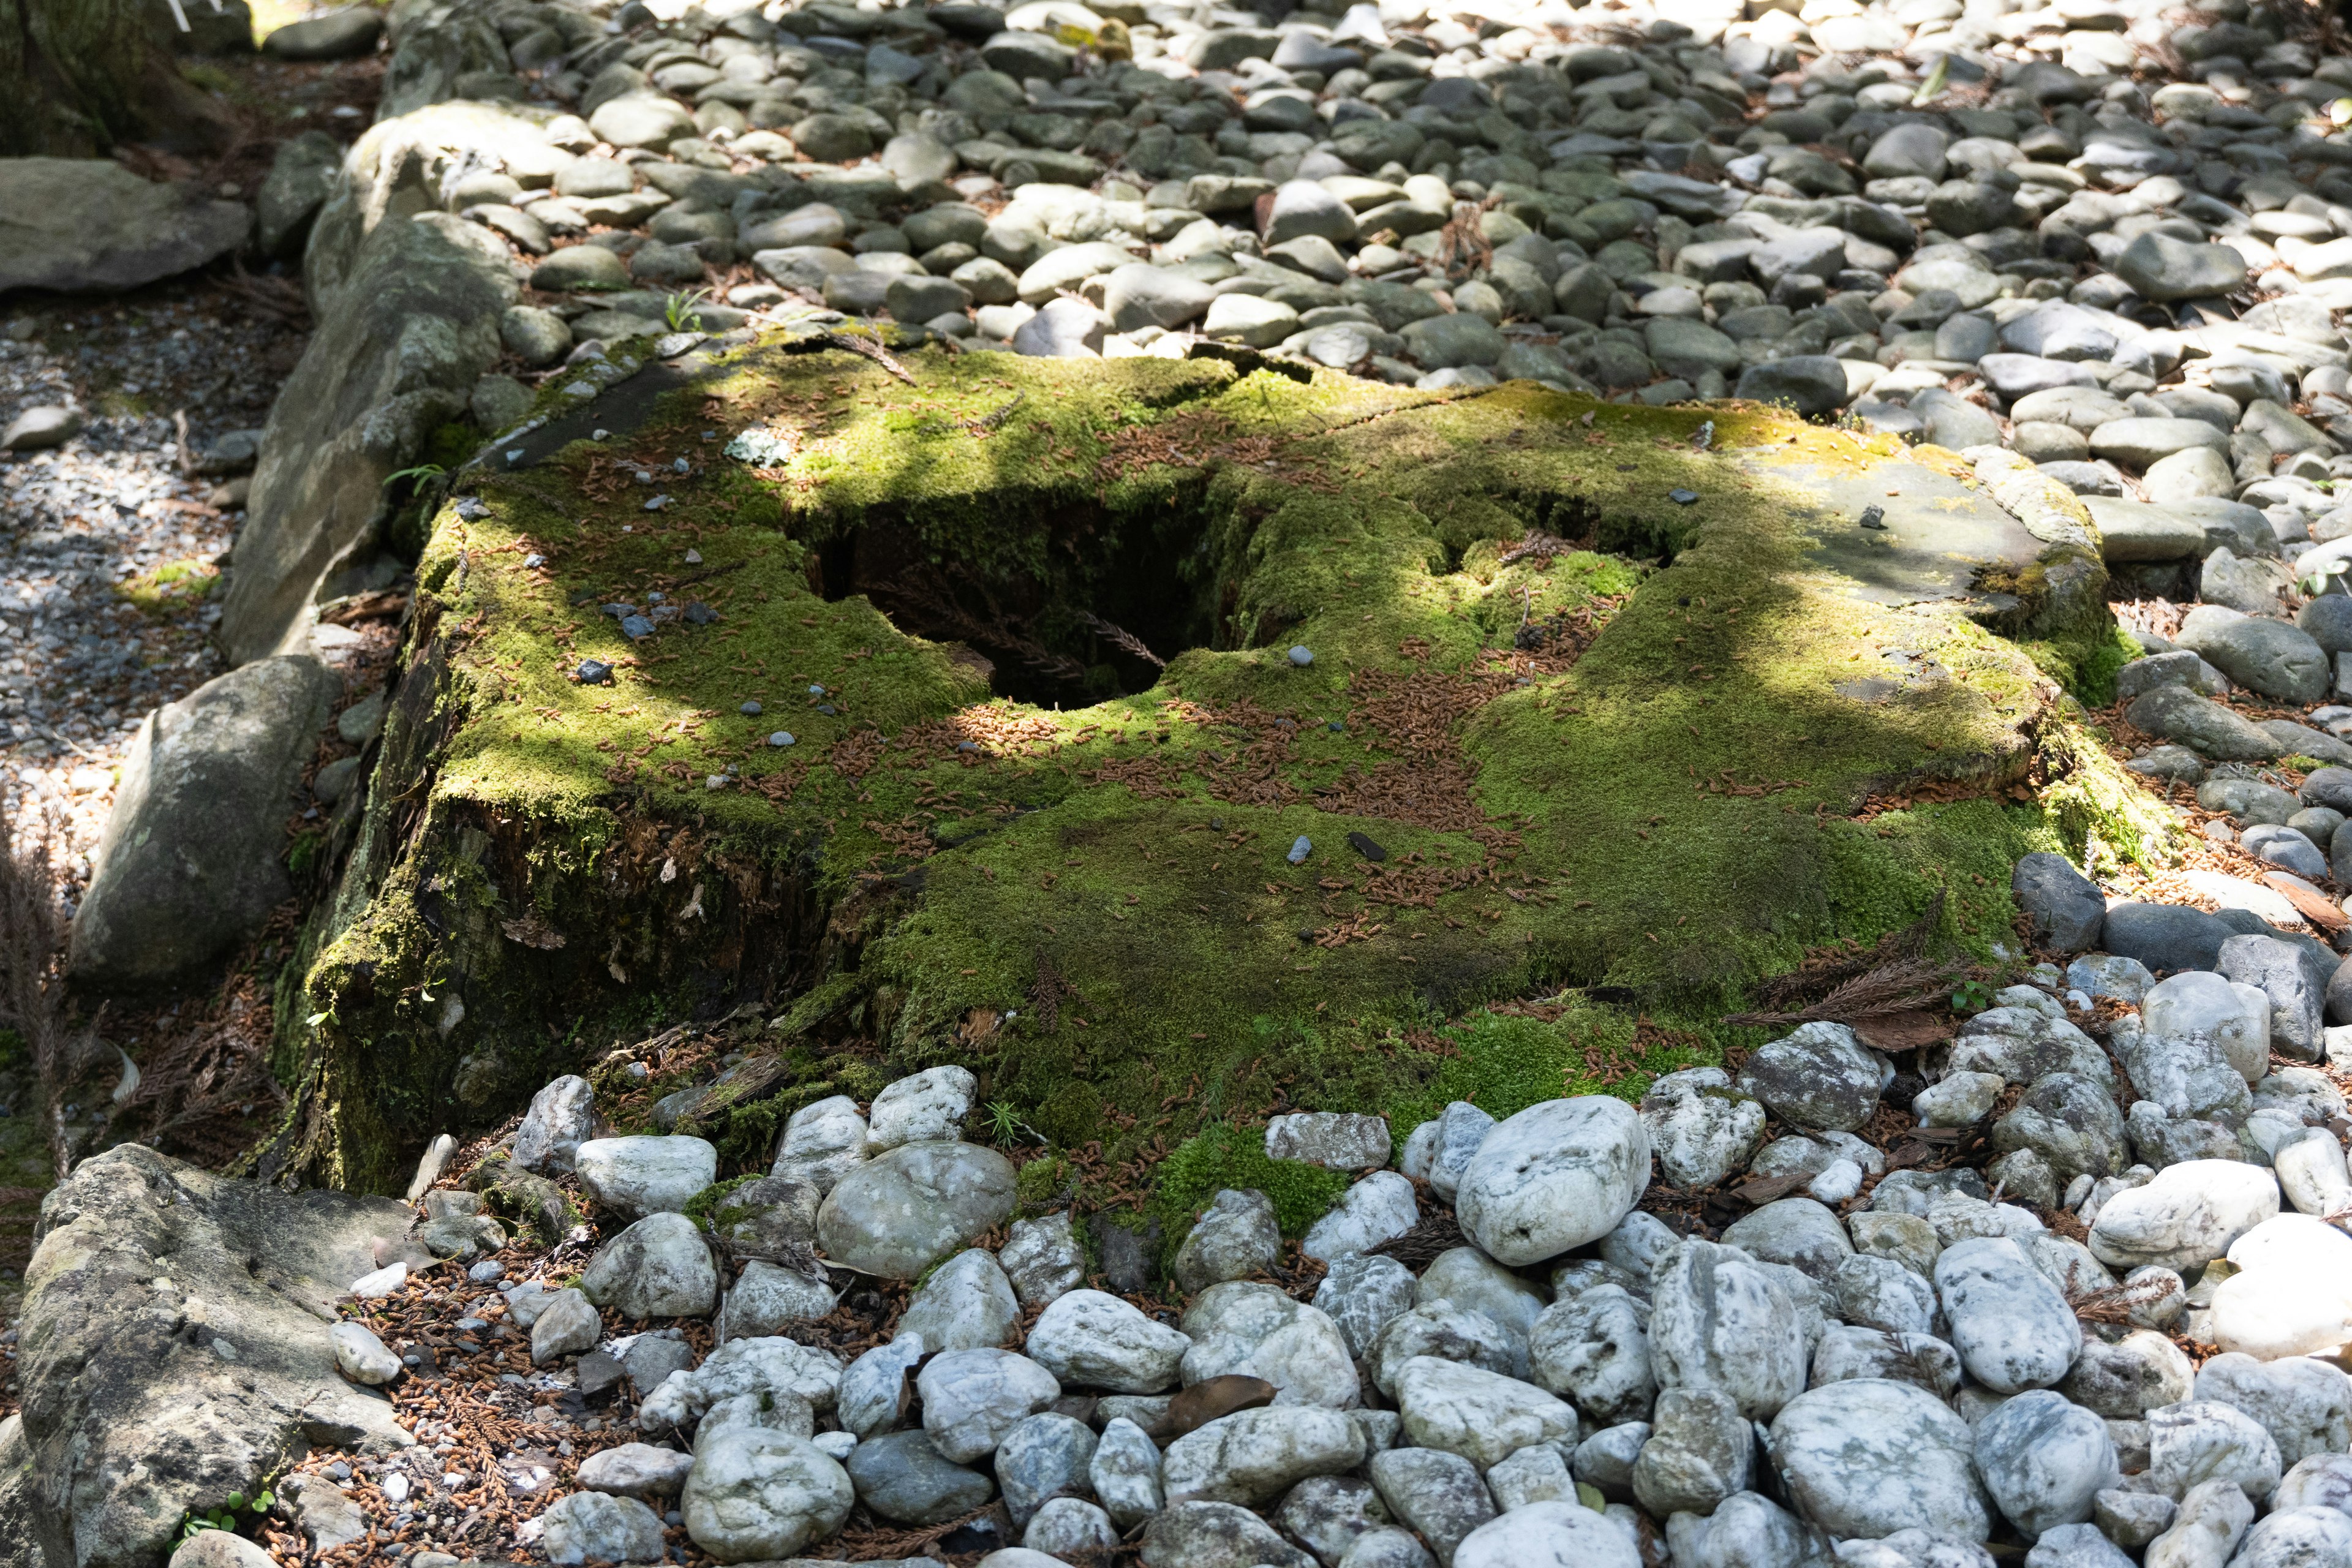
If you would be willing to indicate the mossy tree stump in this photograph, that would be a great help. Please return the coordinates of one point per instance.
(1562, 726)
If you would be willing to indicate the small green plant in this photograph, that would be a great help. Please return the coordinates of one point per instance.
(678, 311)
(420, 474)
(226, 1516)
(1004, 1129)
(1971, 996)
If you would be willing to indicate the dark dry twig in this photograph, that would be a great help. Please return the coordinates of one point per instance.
(31, 969)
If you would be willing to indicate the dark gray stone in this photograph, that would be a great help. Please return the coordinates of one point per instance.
(193, 858)
(91, 226)
(2167, 938)
(2065, 907)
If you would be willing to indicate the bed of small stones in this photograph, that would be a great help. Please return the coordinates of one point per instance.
(2072, 1281)
(97, 497)
(2109, 234)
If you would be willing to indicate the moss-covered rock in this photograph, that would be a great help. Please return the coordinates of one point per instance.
(1591, 702)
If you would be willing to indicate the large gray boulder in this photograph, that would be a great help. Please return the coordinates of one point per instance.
(91, 226)
(140, 1405)
(192, 860)
(408, 300)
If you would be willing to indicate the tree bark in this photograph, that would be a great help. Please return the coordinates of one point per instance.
(79, 76)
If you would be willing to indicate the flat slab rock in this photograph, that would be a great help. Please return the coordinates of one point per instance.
(143, 1403)
(88, 225)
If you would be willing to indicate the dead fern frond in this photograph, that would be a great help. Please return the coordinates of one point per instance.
(1120, 637)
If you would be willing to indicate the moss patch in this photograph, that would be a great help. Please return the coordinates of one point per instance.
(1557, 730)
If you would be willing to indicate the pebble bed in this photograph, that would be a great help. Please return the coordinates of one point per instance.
(110, 538)
(2065, 1283)
(2104, 235)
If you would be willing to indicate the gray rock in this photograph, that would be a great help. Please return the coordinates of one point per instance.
(1818, 1077)
(1698, 1452)
(2044, 1460)
(821, 1143)
(1362, 1295)
(1137, 295)
(1042, 1258)
(645, 119)
(1379, 1208)
(1043, 1458)
(1593, 1351)
(2064, 908)
(2320, 1480)
(2176, 713)
(1554, 1176)
(193, 858)
(1256, 1454)
(2161, 267)
(2295, 985)
(1720, 1321)
(1689, 348)
(1217, 1535)
(644, 1175)
(2265, 656)
(1302, 208)
(773, 1216)
(1441, 1496)
(1537, 1474)
(1236, 1235)
(91, 226)
(142, 1362)
(1441, 1329)
(896, 1215)
(767, 1297)
(657, 1267)
(757, 1493)
(2305, 1404)
(772, 1372)
(408, 315)
(1918, 1359)
(334, 35)
(1251, 1329)
(1125, 1474)
(1479, 1415)
(2131, 1520)
(874, 1394)
(1880, 1293)
(2024, 1046)
(2209, 1522)
(651, 1358)
(1811, 384)
(1701, 1129)
(302, 176)
(1341, 1141)
(567, 1324)
(1549, 1535)
(2071, 1122)
(2201, 1440)
(1461, 1129)
(1440, 342)
(1748, 1528)
(1865, 1458)
(901, 1476)
(2076, 1546)
(1328, 1514)
(1067, 1525)
(2296, 1536)
(966, 1303)
(595, 1527)
(1065, 328)
(972, 1398)
(1800, 1232)
(561, 1117)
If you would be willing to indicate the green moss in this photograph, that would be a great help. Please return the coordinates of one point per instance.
(1093, 906)
(174, 585)
(1226, 1156)
(709, 1208)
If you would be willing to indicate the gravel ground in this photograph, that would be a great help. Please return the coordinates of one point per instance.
(110, 543)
